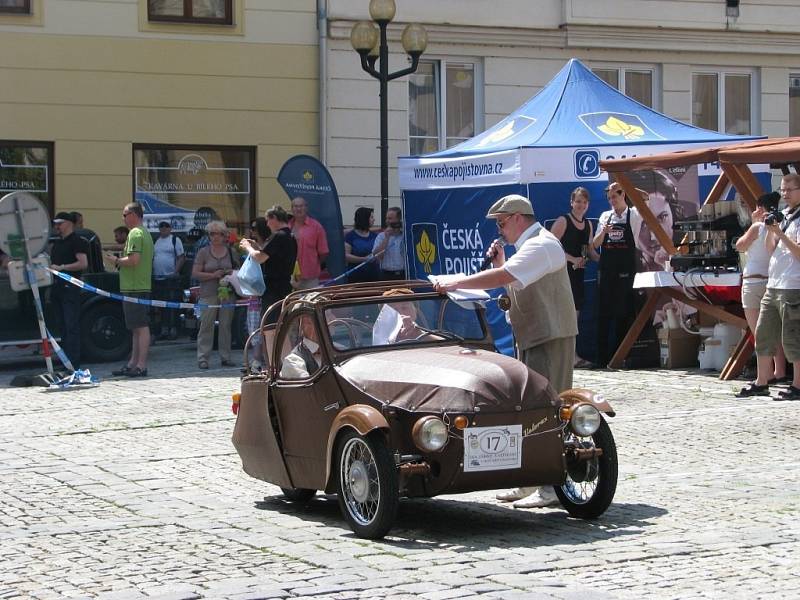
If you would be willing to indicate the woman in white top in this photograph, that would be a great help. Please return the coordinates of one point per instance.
(754, 275)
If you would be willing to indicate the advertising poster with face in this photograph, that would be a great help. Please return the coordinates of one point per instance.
(673, 196)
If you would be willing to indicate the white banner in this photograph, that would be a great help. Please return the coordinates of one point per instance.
(549, 165)
(498, 168)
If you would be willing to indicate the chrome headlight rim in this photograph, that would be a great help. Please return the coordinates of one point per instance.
(585, 420)
(430, 434)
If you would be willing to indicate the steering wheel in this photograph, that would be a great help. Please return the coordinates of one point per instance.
(350, 325)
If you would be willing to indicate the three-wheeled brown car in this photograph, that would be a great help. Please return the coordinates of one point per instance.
(374, 392)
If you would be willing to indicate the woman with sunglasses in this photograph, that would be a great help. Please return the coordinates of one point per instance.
(616, 235)
(211, 264)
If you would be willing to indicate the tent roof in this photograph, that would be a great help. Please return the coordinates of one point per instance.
(577, 108)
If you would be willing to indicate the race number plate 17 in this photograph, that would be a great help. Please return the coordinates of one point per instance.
(492, 448)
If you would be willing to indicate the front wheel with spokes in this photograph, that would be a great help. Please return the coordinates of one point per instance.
(590, 484)
(367, 484)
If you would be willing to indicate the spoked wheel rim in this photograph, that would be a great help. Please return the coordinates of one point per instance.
(361, 487)
(583, 478)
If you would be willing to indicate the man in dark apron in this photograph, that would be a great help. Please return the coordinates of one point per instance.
(615, 297)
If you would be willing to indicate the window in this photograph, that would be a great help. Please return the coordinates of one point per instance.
(27, 167)
(634, 83)
(191, 185)
(191, 11)
(15, 7)
(723, 102)
(794, 104)
(443, 105)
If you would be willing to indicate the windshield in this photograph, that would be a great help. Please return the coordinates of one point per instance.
(402, 319)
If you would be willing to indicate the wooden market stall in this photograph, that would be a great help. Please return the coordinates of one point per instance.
(734, 161)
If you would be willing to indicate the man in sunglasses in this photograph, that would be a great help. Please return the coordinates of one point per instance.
(542, 313)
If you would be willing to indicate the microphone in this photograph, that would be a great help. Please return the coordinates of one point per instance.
(489, 257)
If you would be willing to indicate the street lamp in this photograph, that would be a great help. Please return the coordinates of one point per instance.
(370, 43)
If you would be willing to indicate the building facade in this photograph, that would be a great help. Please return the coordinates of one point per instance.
(181, 105)
(722, 65)
(191, 104)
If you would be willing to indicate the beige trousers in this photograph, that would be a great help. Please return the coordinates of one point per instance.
(553, 360)
(205, 337)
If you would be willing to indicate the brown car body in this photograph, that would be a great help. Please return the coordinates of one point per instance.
(288, 432)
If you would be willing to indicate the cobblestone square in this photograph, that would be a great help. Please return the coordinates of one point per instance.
(132, 489)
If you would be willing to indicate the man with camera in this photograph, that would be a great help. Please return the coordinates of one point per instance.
(779, 316)
(390, 245)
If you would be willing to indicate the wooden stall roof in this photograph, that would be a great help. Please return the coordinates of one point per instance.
(687, 157)
(780, 152)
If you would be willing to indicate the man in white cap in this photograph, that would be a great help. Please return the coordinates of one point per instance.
(542, 313)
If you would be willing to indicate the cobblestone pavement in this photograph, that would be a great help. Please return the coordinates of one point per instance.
(133, 490)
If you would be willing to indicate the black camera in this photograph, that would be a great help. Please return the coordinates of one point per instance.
(773, 217)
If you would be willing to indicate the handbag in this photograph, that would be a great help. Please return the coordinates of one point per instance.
(250, 278)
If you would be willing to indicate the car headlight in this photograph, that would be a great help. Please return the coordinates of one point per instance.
(429, 434)
(585, 420)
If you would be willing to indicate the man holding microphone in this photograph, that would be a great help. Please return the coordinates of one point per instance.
(542, 313)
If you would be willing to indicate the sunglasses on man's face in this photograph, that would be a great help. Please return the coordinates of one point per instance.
(502, 224)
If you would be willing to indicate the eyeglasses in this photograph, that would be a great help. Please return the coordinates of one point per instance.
(216, 233)
(787, 190)
(502, 224)
(616, 192)
(125, 214)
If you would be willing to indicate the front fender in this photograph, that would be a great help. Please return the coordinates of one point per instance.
(361, 417)
(576, 395)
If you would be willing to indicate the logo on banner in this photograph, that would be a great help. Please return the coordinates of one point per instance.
(513, 128)
(587, 164)
(425, 236)
(615, 127)
(308, 176)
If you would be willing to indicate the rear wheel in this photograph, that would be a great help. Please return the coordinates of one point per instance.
(104, 336)
(590, 484)
(367, 484)
(298, 494)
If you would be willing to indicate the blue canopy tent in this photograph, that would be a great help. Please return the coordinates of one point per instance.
(546, 148)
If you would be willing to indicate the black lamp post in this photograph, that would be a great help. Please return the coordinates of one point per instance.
(370, 43)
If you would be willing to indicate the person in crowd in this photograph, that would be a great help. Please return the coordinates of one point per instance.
(168, 259)
(70, 255)
(95, 255)
(120, 235)
(755, 274)
(135, 279)
(305, 358)
(542, 312)
(277, 256)
(259, 233)
(617, 230)
(574, 231)
(390, 246)
(779, 315)
(4, 259)
(358, 244)
(211, 264)
(312, 245)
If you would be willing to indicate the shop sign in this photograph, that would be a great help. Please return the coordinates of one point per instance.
(193, 176)
(23, 178)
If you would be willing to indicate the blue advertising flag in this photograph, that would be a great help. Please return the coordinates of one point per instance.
(305, 176)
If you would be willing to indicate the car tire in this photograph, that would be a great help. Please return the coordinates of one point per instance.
(590, 485)
(104, 336)
(298, 494)
(367, 484)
